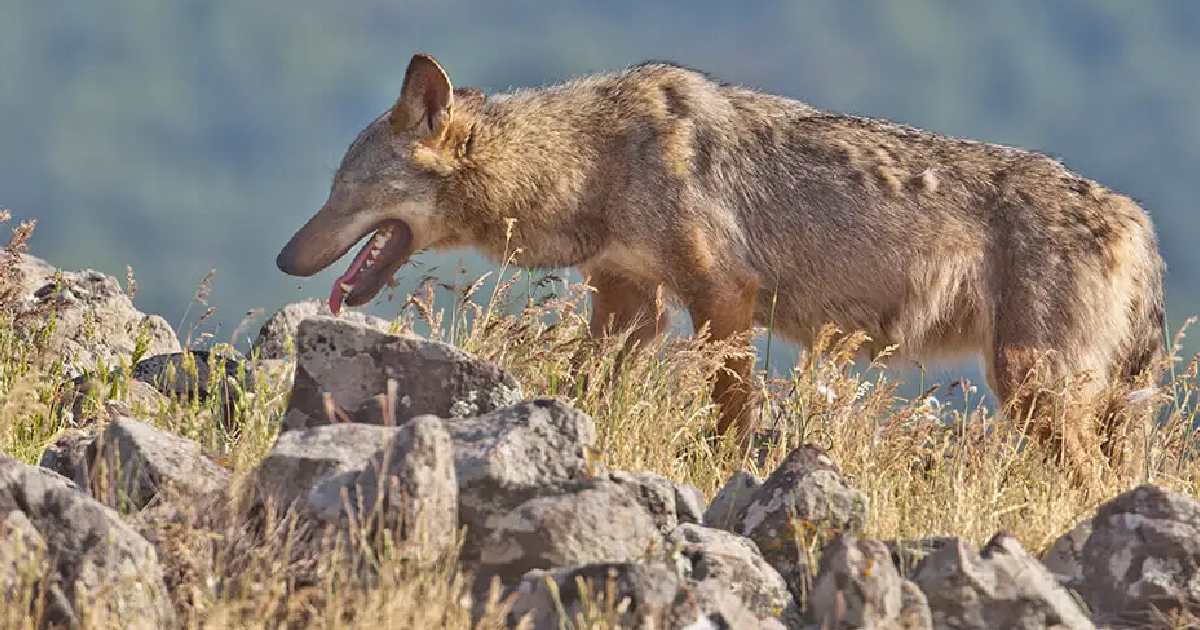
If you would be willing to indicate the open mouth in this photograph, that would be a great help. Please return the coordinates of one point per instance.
(383, 253)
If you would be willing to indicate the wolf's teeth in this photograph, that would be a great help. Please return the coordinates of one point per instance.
(347, 287)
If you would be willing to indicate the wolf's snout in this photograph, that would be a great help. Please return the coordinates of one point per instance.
(294, 260)
(286, 261)
(316, 245)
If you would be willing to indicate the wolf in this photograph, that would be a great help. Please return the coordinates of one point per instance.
(658, 178)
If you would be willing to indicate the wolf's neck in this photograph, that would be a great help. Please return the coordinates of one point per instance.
(538, 159)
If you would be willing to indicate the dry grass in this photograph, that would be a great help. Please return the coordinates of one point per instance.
(928, 467)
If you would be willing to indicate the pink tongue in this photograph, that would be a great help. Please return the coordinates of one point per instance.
(336, 295)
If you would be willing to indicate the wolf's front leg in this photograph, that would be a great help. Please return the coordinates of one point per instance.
(620, 304)
(728, 309)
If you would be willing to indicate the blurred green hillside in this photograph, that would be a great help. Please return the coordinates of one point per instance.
(180, 136)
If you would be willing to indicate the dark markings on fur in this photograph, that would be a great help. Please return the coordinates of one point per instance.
(704, 145)
(677, 106)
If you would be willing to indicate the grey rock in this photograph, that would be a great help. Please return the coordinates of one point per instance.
(190, 375)
(306, 467)
(1001, 586)
(733, 564)
(648, 596)
(805, 497)
(277, 337)
(734, 496)
(95, 322)
(87, 399)
(90, 554)
(601, 522)
(22, 554)
(409, 486)
(1137, 558)
(32, 273)
(689, 504)
(140, 463)
(671, 503)
(353, 364)
(71, 456)
(857, 586)
(908, 554)
(511, 455)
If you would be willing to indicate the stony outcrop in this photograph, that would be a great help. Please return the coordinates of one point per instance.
(507, 457)
(603, 522)
(197, 374)
(83, 550)
(857, 586)
(277, 337)
(1136, 559)
(95, 322)
(354, 373)
(306, 470)
(669, 503)
(735, 495)
(643, 595)
(806, 497)
(415, 438)
(999, 586)
(731, 563)
(135, 463)
(129, 463)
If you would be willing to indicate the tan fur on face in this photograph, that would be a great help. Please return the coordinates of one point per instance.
(658, 176)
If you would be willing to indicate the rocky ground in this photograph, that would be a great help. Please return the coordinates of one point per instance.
(417, 445)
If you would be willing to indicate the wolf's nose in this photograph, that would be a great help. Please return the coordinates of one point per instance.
(286, 261)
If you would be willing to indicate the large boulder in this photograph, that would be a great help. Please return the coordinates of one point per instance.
(1000, 586)
(308, 469)
(277, 337)
(732, 564)
(87, 554)
(857, 586)
(907, 554)
(399, 478)
(197, 374)
(628, 595)
(353, 364)
(71, 455)
(731, 499)
(501, 460)
(805, 498)
(1138, 558)
(131, 463)
(408, 486)
(602, 522)
(668, 502)
(95, 322)
(134, 463)
(504, 458)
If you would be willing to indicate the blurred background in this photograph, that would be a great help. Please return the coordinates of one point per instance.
(177, 137)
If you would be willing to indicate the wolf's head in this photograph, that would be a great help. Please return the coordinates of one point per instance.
(386, 187)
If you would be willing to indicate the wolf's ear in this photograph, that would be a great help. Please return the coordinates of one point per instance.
(425, 100)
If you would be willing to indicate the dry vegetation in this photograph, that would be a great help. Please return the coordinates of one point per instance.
(927, 467)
